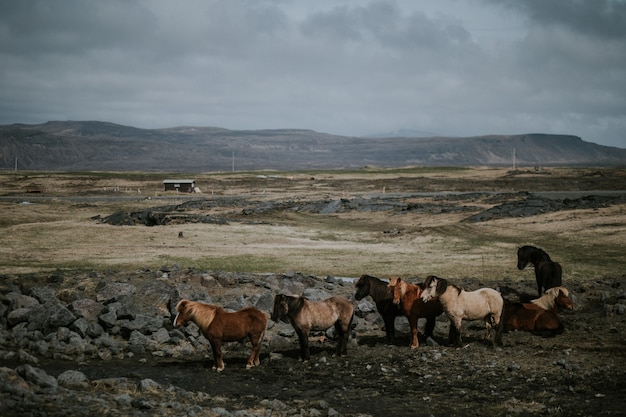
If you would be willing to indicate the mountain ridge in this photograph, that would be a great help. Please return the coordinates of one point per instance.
(106, 146)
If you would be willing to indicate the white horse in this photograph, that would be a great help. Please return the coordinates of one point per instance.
(483, 304)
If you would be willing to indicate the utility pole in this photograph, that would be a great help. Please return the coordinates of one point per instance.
(513, 157)
(233, 161)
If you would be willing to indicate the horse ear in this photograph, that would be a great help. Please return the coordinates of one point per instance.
(442, 285)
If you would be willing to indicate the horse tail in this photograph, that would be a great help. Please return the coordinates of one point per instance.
(500, 326)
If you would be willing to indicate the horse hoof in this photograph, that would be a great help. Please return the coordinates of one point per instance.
(414, 346)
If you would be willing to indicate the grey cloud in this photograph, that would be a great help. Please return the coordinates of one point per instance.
(601, 18)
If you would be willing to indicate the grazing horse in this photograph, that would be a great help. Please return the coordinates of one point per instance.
(219, 325)
(485, 304)
(306, 315)
(547, 272)
(407, 295)
(540, 316)
(383, 297)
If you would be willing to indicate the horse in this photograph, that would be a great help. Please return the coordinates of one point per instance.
(459, 304)
(407, 296)
(383, 297)
(547, 272)
(306, 315)
(219, 325)
(540, 316)
(555, 298)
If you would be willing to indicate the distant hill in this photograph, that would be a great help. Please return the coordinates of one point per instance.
(102, 146)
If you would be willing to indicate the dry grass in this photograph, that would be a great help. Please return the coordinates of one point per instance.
(58, 234)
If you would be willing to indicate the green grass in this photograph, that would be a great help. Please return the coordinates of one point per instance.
(243, 263)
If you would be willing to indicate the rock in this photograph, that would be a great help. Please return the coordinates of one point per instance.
(316, 294)
(86, 308)
(112, 291)
(73, 380)
(12, 383)
(148, 385)
(37, 376)
(265, 302)
(45, 295)
(161, 336)
(142, 323)
(80, 326)
(17, 300)
(59, 316)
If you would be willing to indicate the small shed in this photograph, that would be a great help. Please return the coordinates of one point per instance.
(184, 186)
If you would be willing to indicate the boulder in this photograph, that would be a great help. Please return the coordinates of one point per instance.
(86, 308)
(113, 290)
(73, 380)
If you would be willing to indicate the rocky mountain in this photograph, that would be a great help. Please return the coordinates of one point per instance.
(102, 146)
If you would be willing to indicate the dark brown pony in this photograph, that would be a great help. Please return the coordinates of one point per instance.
(540, 316)
(547, 272)
(306, 315)
(408, 295)
(383, 297)
(219, 326)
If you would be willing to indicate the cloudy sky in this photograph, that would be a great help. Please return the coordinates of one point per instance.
(350, 67)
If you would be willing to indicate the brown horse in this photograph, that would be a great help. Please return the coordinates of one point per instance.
(383, 297)
(306, 315)
(407, 295)
(540, 316)
(548, 273)
(219, 326)
(483, 304)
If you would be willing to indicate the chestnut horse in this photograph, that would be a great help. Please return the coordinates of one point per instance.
(306, 315)
(407, 295)
(219, 326)
(383, 297)
(540, 316)
(483, 304)
(547, 272)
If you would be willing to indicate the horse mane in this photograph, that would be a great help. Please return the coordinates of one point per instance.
(295, 304)
(547, 300)
(200, 313)
(378, 287)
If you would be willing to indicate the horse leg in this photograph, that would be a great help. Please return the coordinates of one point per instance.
(390, 322)
(303, 337)
(455, 335)
(216, 347)
(538, 278)
(413, 325)
(341, 340)
(253, 360)
(429, 329)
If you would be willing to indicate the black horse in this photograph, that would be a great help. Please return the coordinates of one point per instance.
(383, 297)
(547, 272)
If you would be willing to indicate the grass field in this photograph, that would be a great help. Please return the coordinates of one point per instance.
(56, 230)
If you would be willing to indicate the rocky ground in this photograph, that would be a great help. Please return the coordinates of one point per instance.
(76, 344)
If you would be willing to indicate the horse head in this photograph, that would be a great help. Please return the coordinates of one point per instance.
(562, 298)
(183, 313)
(396, 284)
(522, 257)
(362, 287)
(281, 307)
(433, 288)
